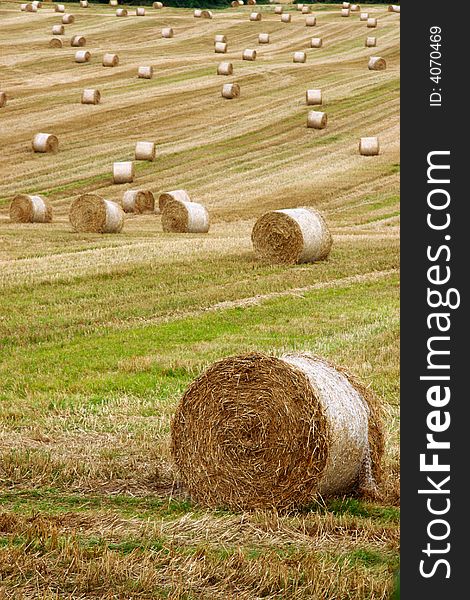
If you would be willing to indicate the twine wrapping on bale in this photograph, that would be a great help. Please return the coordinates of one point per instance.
(371, 42)
(3, 99)
(372, 22)
(145, 72)
(197, 13)
(220, 47)
(295, 235)
(286, 18)
(230, 91)
(45, 142)
(145, 151)
(91, 213)
(179, 216)
(278, 10)
(225, 68)
(255, 16)
(317, 120)
(310, 21)
(82, 56)
(305, 9)
(249, 54)
(90, 96)
(299, 57)
(364, 17)
(167, 32)
(110, 60)
(58, 30)
(60, 8)
(220, 38)
(55, 43)
(30, 209)
(313, 97)
(67, 19)
(256, 432)
(78, 41)
(369, 146)
(345, 12)
(121, 12)
(377, 63)
(263, 38)
(138, 202)
(140, 11)
(179, 195)
(316, 42)
(123, 172)
(206, 14)
(157, 5)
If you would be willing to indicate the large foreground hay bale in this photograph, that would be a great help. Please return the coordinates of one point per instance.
(3, 99)
(316, 42)
(110, 60)
(371, 23)
(78, 41)
(67, 19)
(145, 72)
(167, 32)
(82, 56)
(263, 38)
(293, 235)
(310, 21)
(225, 68)
(45, 142)
(55, 42)
(256, 431)
(377, 63)
(313, 97)
(220, 47)
(179, 216)
(93, 214)
(179, 195)
(58, 30)
(123, 172)
(371, 42)
(91, 96)
(317, 120)
(249, 54)
(138, 202)
(230, 91)
(299, 57)
(145, 151)
(255, 16)
(286, 18)
(30, 209)
(369, 146)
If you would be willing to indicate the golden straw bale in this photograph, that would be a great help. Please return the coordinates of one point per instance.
(140, 11)
(157, 5)
(91, 96)
(249, 54)
(363, 16)
(255, 16)
(317, 120)
(67, 19)
(121, 12)
(299, 57)
(45, 142)
(197, 13)
(138, 202)
(145, 72)
(263, 38)
(230, 91)
(345, 12)
(310, 21)
(58, 30)
(167, 32)
(369, 146)
(305, 9)
(145, 151)
(371, 42)
(286, 18)
(220, 47)
(377, 63)
(82, 56)
(26, 208)
(110, 60)
(179, 195)
(60, 8)
(313, 97)
(123, 172)
(55, 42)
(225, 68)
(78, 41)
(206, 14)
(278, 10)
(91, 213)
(179, 216)
(371, 23)
(220, 38)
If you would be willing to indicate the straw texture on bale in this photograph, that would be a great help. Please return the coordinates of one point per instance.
(83, 3)
(255, 16)
(345, 12)
(45, 142)
(369, 146)
(82, 56)
(299, 57)
(55, 42)
(249, 54)
(256, 432)
(179, 195)
(206, 14)
(30, 209)
(313, 97)
(225, 68)
(230, 91)
(3, 99)
(220, 38)
(91, 96)
(286, 18)
(78, 41)
(110, 60)
(220, 47)
(371, 42)
(58, 30)
(278, 10)
(316, 42)
(67, 19)
(179, 216)
(157, 5)
(123, 172)
(145, 72)
(296, 235)
(305, 9)
(145, 151)
(372, 22)
(138, 202)
(140, 11)
(93, 214)
(121, 12)
(317, 120)
(167, 32)
(60, 8)
(263, 38)
(310, 21)
(377, 63)
(197, 13)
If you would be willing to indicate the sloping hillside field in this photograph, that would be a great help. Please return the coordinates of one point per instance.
(101, 334)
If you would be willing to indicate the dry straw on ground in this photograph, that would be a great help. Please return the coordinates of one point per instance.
(167, 32)
(263, 38)
(377, 63)
(310, 21)
(286, 18)
(225, 68)
(138, 202)
(55, 42)
(30, 209)
(3, 99)
(179, 216)
(145, 151)
(179, 195)
(220, 47)
(299, 57)
(58, 30)
(145, 72)
(140, 11)
(45, 142)
(230, 91)
(372, 22)
(92, 214)
(220, 37)
(82, 56)
(121, 12)
(256, 431)
(371, 42)
(294, 235)
(255, 16)
(123, 172)
(249, 54)
(313, 97)
(78, 41)
(316, 42)
(369, 146)
(110, 60)
(67, 19)
(91, 96)
(317, 120)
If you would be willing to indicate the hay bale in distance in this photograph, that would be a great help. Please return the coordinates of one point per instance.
(377, 63)
(296, 235)
(179, 195)
(78, 41)
(278, 10)
(121, 12)
(286, 18)
(145, 151)
(110, 60)
(251, 2)
(83, 3)
(299, 7)
(371, 42)
(179, 216)
(345, 12)
(316, 42)
(263, 38)
(220, 38)
(346, 5)
(255, 16)
(145, 72)
(167, 32)
(369, 146)
(30, 209)
(82, 56)
(394, 8)
(59, 8)
(317, 120)
(206, 14)
(313, 97)
(220, 47)
(91, 213)
(355, 8)
(299, 57)
(230, 91)
(225, 68)
(123, 172)
(305, 9)
(58, 30)
(90, 96)
(372, 22)
(261, 432)
(138, 202)
(68, 19)
(140, 11)
(3, 99)
(249, 54)
(157, 5)
(363, 16)
(55, 42)
(197, 13)
(113, 3)
(45, 142)
(310, 21)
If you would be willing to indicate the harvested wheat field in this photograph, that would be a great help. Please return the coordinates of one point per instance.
(102, 333)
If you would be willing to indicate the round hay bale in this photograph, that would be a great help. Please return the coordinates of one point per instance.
(372, 22)
(371, 42)
(299, 57)
(310, 21)
(58, 30)
(317, 120)
(59, 8)
(31, 8)
(251, 2)
(140, 11)
(90, 96)
(230, 91)
(110, 60)
(255, 16)
(121, 12)
(138, 202)
(83, 3)
(167, 32)
(145, 72)
(369, 146)
(316, 42)
(123, 172)
(23, 7)
(286, 18)
(377, 63)
(278, 10)
(145, 151)
(91, 213)
(206, 14)
(179, 195)
(37, 4)
(394, 8)
(299, 6)
(113, 2)
(45, 142)
(259, 432)
(296, 235)
(355, 8)
(313, 97)
(82, 56)
(346, 5)
(220, 38)
(157, 5)
(179, 216)
(363, 16)
(263, 38)
(249, 54)
(305, 9)
(220, 47)
(67, 19)
(30, 209)
(78, 41)
(345, 12)
(234, 4)
(225, 68)
(3, 99)
(197, 13)
(55, 43)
